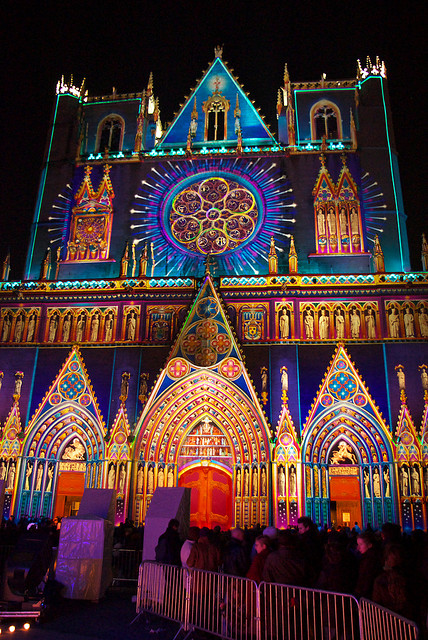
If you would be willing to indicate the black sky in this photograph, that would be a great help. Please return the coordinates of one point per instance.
(120, 44)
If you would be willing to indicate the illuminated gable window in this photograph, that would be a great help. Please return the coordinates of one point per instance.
(110, 134)
(326, 121)
(215, 109)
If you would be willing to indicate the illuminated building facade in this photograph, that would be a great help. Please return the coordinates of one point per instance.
(212, 305)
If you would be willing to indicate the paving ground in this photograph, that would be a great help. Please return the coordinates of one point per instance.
(107, 620)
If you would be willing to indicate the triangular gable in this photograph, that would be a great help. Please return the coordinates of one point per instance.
(324, 188)
(72, 384)
(87, 196)
(346, 187)
(118, 447)
(10, 445)
(342, 384)
(287, 446)
(218, 78)
(206, 342)
(407, 447)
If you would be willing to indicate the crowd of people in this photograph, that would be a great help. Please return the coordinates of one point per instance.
(386, 567)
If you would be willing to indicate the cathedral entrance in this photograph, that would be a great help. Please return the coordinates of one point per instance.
(211, 496)
(70, 488)
(345, 500)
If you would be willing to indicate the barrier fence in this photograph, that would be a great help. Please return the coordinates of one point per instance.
(125, 565)
(385, 623)
(238, 609)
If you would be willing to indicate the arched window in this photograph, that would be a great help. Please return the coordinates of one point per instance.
(216, 108)
(110, 134)
(326, 121)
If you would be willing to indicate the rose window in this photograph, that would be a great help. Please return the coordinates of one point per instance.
(213, 216)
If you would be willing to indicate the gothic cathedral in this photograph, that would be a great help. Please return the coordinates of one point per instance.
(215, 305)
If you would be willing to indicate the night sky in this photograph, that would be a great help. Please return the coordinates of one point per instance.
(120, 44)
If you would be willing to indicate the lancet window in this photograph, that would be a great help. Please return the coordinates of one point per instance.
(110, 134)
(216, 108)
(326, 121)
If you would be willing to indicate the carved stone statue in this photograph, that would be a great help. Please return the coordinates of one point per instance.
(39, 477)
(284, 324)
(387, 482)
(246, 482)
(238, 483)
(401, 378)
(340, 324)
(281, 481)
(416, 481)
(323, 325)
(66, 327)
(95, 324)
(170, 478)
(28, 472)
(366, 483)
(255, 482)
(394, 324)
(140, 477)
(423, 323)
(50, 478)
(370, 323)
(263, 482)
(111, 480)
(19, 329)
(122, 478)
(355, 324)
(309, 325)
(409, 324)
(6, 328)
(132, 325)
(150, 480)
(404, 481)
(108, 328)
(161, 477)
(31, 327)
(321, 222)
(355, 229)
(376, 483)
(292, 482)
(53, 325)
(284, 379)
(80, 328)
(343, 222)
(331, 221)
(11, 476)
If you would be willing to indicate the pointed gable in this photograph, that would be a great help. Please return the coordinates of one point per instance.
(424, 430)
(344, 403)
(10, 445)
(118, 447)
(68, 409)
(218, 82)
(287, 447)
(407, 447)
(324, 188)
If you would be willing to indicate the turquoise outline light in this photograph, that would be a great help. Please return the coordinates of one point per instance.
(40, 196)
(313, 91)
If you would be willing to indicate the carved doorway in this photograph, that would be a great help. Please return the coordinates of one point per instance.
(211, 496)
(345, 501)
(70, 488)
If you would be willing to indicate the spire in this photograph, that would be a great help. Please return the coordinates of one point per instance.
(46, 265)
(5, 270)
(143, 262)
(124, 262)
(424, 254)
(378, 257)
(353, 131)
(193, 121)
(292, 258)
(273, 258)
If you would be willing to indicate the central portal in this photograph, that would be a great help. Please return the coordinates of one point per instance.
(345, 501)
(211, 496)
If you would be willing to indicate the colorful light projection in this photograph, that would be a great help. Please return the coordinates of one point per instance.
(229, 208)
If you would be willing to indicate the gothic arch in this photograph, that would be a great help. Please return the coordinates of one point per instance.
(335, 111)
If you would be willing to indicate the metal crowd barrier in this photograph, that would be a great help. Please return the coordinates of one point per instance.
(298, 613)
(379, 623)
(125, 565)
(237, 609)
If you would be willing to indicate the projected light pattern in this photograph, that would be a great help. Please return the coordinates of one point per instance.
(373, 202)
(213, 216)
(59, 216)
(261, 187)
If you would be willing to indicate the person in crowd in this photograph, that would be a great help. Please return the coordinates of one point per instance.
(204, 554)
(369, 565)
(338, 570)
(192, 537)
(391, 588)
(262, 547)
(310, 547)
(286, 565)
(235, 561)
(168, 548)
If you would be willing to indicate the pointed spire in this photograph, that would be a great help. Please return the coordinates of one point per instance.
(18, 385)
(286, 75)
(46, 265)
(273, 258)
(193, 121)
(124, 262)
(424, 254)
(378, 257)
(353, 131)
(143, 262)
(5, 270)
(57, 262)
(134, 260)
(124, 387)
(292, 258)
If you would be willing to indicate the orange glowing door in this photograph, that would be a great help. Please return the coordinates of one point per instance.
(211, 497)
(71, 485)
(345, 500)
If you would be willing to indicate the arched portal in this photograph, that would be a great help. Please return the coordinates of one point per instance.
(62, 454)
(205, 426)
(348, 468)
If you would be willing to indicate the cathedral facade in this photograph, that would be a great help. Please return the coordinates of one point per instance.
(213, 305)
